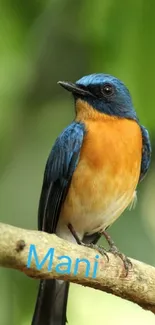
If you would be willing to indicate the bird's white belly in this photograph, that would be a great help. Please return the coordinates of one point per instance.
(95, 222)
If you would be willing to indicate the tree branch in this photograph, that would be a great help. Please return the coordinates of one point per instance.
(138, 286)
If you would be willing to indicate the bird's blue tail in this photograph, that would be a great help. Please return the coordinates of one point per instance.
(51, 303)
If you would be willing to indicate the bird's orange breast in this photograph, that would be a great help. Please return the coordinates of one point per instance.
(104, 182)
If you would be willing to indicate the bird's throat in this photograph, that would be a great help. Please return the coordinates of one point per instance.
(84, 111)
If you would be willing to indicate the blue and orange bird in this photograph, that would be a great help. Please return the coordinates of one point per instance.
(90, 176)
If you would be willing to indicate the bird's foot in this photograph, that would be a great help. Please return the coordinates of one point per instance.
(98, 248)
(127, 263)
(114, 250)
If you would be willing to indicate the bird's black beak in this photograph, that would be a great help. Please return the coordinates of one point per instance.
(75, 89)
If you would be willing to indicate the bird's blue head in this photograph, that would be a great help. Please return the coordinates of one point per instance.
(104, 93)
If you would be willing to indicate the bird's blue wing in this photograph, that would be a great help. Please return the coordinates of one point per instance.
(146, 153)
(59, 169)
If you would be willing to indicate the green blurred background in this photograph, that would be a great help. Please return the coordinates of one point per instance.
(42, 42)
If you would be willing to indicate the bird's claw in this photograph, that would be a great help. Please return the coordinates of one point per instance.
(114, 250)
(98, 248)
(126, 261)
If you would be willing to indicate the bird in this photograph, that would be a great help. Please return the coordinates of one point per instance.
(90, 177)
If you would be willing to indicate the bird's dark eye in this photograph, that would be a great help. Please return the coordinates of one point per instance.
(107, 89)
